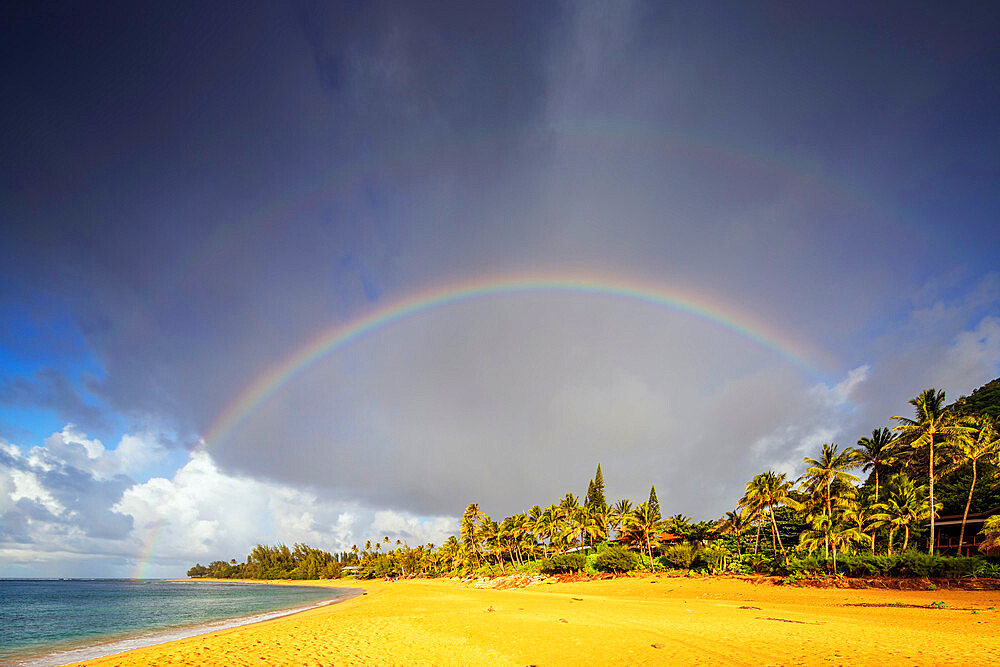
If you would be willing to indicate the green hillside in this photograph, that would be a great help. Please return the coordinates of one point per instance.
(985, 400)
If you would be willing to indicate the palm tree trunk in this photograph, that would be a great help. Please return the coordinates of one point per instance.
(965, 516)
(931, 550)
(774, 529)
(892, 531)
(756, 542)
(829, 513)
(906, 538)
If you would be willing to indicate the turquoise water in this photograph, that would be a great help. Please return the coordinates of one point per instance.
(54, 622)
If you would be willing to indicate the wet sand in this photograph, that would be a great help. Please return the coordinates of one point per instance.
(629, 621)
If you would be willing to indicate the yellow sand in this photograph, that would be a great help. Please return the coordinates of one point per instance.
(652, 620)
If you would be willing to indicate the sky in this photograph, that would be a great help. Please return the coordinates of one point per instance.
(326, 272)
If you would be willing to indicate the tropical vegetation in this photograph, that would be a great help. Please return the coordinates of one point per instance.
(945, 459)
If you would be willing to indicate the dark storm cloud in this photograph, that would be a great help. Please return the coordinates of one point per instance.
(50, 389)
(201, 189)
(176, 164)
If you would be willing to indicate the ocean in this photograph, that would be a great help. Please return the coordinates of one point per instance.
(47, 622)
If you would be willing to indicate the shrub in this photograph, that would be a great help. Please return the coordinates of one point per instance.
(859, 565)
(616, 559)
(573, 562)
(813, 563)
(680, 556)
(739, 565)
(709, 558)
(528, 567)
(986, 569)
(644, 563)
(906, 564)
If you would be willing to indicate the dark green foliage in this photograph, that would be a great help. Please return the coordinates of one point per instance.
(907, 564)
(595, 491)
(562, 563)
(953, 490)
(680, 556)
(692, 557)
(378, 567)
(985, 400)
(791, 524)
(654, 503)
(599, 499)
(278, 562)
(616, 559)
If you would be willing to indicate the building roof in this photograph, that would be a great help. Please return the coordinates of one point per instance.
(956, 519)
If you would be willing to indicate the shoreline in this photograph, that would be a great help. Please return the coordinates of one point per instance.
(85, 651)
(630, 620)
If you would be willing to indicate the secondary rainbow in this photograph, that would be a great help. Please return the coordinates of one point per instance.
(339, 335)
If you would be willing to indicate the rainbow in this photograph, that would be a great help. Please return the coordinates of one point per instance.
(145, 559)
(705, 308)
(598, 135)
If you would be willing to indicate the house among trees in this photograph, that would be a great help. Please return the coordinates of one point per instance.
(949, 532)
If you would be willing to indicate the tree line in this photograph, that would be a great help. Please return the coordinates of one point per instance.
(941, 458)
(277, 562)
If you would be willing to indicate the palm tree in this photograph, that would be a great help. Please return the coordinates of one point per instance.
(769, 489)
(594, 522)
(469, 531)
(991, 530)
(735, 524)
(830, 467)
(550, 526)
(857, 513)
(641, 525)
(905, 505)
(677, 524)
(535, 523)
(821, 474)
(568, 515)
(602, 515)
(450, 551)
(576, 529)
(876, 453)
(985, 445)
(932, 422)
(619, 512)
(489, 532)
(754, 516)
(519, 533)
(829, 531)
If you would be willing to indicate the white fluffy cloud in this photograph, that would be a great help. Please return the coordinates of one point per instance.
(204, 513)
(68, 502)
(134, 453)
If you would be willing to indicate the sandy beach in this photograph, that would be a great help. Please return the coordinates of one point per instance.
(630, 621)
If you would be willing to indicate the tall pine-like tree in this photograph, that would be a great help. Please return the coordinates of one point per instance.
(599, 499)
(595, 491)
(654, 504)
